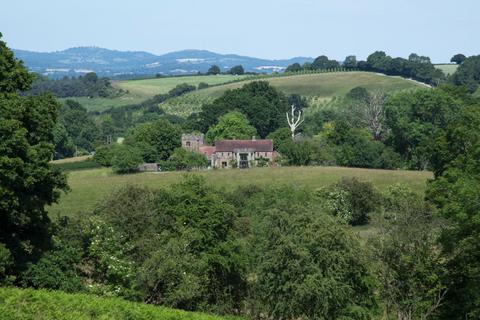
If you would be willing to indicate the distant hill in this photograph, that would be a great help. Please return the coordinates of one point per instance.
(113, 63)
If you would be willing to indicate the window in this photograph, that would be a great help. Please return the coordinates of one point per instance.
(224, 164)
(187, 143)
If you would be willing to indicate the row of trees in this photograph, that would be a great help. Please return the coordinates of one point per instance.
(235, 70)
(89, 85)
(416, 67)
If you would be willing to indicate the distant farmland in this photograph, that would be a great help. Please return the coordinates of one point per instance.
(448, 68)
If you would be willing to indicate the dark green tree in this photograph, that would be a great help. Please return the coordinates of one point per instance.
(262, 104)
(214, 70)
(237, 70)
(27, 181)
(232, 125)
(296, 67)
(458, 58)
(468, 73)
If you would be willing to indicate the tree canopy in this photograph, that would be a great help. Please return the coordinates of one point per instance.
(232, 125)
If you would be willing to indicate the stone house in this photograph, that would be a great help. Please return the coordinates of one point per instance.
(232, 153)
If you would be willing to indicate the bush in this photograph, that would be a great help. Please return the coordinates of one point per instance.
(104, 155)
(6, 263)
(305, 264)
(126, 159)
(352, 200)
(56, 269)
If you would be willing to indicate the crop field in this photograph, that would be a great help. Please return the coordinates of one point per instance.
(319, 86)
(20, 304)
(88, 187)
(447, 68)
(140, 90)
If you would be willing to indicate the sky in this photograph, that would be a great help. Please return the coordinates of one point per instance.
(273, 29)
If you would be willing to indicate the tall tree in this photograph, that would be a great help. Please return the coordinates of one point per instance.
(232, 125)
(458, 58)
(27, 181)
(214, 70)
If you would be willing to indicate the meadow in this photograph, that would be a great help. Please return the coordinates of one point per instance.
(447, 68)
(316, 86)
(25, 304)
(88, 187)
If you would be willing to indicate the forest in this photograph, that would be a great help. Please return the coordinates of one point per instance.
(278, 251)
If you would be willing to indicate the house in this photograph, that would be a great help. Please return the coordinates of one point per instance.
(232, 153)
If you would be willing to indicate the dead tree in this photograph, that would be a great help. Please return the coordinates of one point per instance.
(374, 114)
(295, 121)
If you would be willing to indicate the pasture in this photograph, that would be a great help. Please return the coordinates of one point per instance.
(88, 187)
(447, 68)
(317, 86)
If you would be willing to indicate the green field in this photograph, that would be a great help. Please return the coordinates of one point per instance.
(140, 90)
(447, 68)
(91, 186)
(26, 304)
(320, 86)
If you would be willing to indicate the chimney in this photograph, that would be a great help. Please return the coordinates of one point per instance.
(253, 138)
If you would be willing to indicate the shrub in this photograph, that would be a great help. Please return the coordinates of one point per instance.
(352, 200)
(6, 263)
(56, 269)
(126, 159)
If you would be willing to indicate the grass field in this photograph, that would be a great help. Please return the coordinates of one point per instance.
(447, 68)
(140, 90)
(91, 186)
(319, 86)
(30, 304)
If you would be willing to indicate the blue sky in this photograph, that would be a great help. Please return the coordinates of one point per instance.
(261, 28)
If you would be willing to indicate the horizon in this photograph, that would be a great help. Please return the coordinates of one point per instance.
(275, 30)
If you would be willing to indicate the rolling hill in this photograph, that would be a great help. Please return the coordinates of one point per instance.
(32, 304)
(114, 63)
(317, 86)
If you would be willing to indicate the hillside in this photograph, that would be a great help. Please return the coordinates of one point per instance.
(318, 87)
(25, 304)
(447, 68)
(114, 63)
(90, 186)
(140, 90)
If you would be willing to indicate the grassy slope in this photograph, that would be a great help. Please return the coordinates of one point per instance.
(26, 304)
(322, 86)
(447, 68)
(90, 186)
(140, 90)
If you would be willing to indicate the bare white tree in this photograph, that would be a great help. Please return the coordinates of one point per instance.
(295, 121)
(374, 113)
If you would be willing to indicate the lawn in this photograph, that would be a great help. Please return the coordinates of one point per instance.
(23, 304)
(88, 187)
(319, 86)
(447, 68)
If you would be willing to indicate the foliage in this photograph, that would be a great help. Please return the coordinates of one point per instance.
(237, 70)
(6, 264)
(56, 269)
(88, 85)
(232, 125)
(214, 70)
(458, 58)
(351, 199)
(163, 136)
(27, 181)
(182, 159)
(415, 119)
(126, 159)
(468, 73)
(263, 106)
(304, 263)
(411, 268)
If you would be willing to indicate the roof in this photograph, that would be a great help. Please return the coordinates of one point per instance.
(207, 150)
(256, 145)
